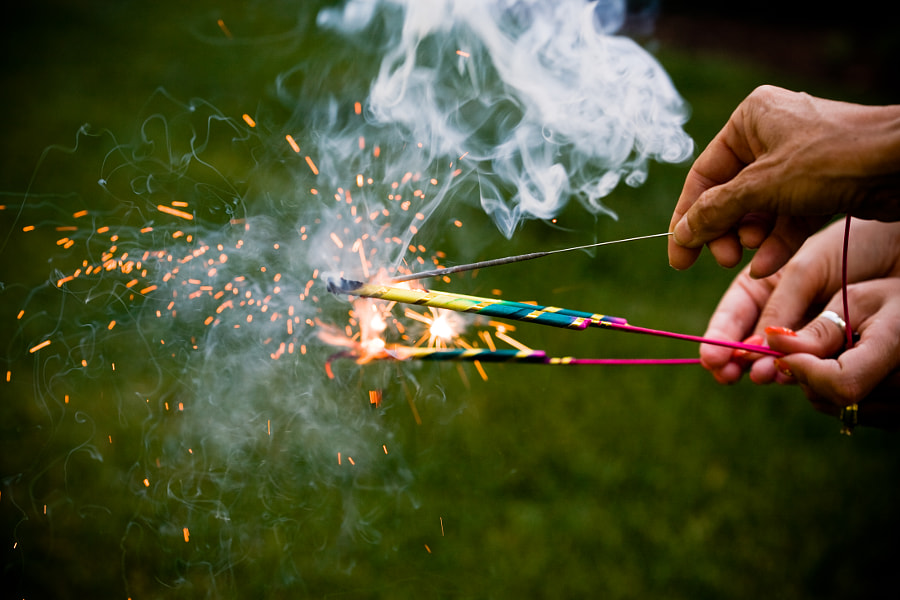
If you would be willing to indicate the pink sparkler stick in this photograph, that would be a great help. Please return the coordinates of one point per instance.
(612, 362)
(692, 338)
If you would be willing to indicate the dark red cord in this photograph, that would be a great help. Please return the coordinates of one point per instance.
(848, 329)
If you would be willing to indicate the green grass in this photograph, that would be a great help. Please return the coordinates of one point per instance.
(539, 482)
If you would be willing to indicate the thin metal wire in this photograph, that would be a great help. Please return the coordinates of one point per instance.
(513, 259)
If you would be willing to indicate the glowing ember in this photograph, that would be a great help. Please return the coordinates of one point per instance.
(175, 212)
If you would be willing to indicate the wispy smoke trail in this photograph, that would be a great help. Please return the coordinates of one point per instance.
(540, 97)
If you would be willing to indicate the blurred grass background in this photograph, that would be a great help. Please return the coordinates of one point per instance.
(537, 483)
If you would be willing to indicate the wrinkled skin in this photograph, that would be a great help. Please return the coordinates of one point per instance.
(779, 170)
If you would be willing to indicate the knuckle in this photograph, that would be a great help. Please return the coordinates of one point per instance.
(858, 295)
(704, 214)
(763, 91)
(822, 329)
(766, 94)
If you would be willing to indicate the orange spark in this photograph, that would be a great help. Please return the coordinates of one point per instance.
(248, 120)
(294, 146)
(79, 214)
(463, 53)
(511, 341)
(225, 30)
(486, 336)
(172, 211)
(481, 370)
(187, 535)
(43, 344)
(312, 166)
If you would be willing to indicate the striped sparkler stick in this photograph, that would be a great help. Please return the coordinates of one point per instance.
(520, 311)
(522, 356)
(490, 307)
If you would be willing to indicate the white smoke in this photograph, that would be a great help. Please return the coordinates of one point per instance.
(540, 96)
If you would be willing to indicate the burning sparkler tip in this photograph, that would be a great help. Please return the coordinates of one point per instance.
(339, 285)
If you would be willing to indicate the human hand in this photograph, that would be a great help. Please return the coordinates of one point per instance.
(794, 295)
(784, 163)
(868, 373)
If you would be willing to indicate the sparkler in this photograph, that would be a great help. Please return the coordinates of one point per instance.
(522, 356)
(519, 311)
(513, 259)
(181, 282)
(505, 309)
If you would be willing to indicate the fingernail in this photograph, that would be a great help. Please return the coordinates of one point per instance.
(682, 233)
(783, 368)
(780, 331)
(755, 339)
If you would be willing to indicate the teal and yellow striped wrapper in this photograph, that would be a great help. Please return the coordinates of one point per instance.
(467, 354)
(521, 356)
(503, 309)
